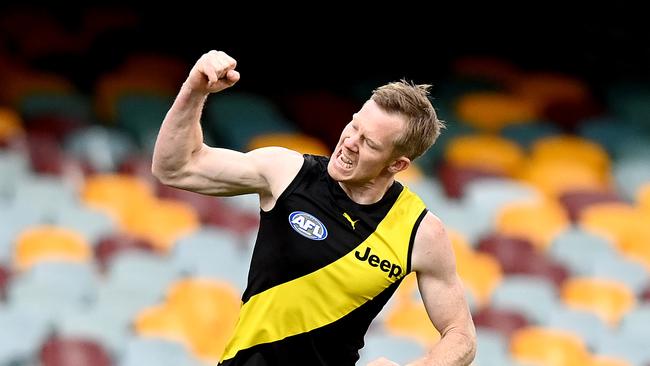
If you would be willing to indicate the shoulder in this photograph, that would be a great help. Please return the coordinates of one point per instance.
(432, 249)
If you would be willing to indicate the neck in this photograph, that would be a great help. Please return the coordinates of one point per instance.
(367, 193)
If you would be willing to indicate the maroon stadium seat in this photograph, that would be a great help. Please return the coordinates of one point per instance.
(454, 178)
(73, 352)
(5, 277)
(518, 256)
(576, 201)
(112, 245)
(501, 320)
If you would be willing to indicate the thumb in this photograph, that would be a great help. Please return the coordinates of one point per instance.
(232, 77)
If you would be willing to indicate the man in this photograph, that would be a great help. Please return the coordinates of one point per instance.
(337, 235)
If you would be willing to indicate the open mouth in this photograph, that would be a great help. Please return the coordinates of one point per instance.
(343, 160)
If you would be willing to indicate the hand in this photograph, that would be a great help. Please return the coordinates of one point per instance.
(213, 72)
(383, 362)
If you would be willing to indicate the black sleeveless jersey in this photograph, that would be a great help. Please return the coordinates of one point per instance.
(322, 268)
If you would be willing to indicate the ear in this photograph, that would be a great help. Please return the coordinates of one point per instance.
(400, 164)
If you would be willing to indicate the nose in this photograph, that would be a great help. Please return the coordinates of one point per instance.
(351, 142)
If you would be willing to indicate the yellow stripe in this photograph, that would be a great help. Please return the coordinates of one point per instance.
(328, 294)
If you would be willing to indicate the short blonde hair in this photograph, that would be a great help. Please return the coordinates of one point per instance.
(411, 101)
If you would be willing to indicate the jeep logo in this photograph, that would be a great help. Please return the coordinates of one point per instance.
(307, 225)
(393, 269)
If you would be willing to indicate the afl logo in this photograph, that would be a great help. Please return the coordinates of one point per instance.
(307, 225)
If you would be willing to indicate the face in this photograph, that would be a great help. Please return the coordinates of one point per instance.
(366, 146)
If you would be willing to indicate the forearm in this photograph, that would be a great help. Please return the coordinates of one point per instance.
(180, 135)
(453, 349)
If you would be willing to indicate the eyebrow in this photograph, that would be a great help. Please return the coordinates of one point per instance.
(372, 141)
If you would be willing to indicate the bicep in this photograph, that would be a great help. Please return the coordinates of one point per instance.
(224, 172)
(444, 301)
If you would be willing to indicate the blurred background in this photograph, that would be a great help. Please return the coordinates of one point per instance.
(542, 176)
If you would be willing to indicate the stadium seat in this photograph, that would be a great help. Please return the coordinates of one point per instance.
(525, 134)
(73, 352)
(299, 142)
(545, 346)
(574, 202)
(11, 126)
(560, 98)
(634, 324)
(480, 272)
(65, 288)
(395, 348)
(235, 117)
(589, 326)
(503, 321)
(155, 351)
(579, 250)
(630, 173)
(538, 222)
(491, 349)
(455, 178)
(486, 153)
(491, 111)
(21, 334)
(5, 277)
(608, 361)
(161, 222)
(555, 177)
(101, 148)
(534, 297)
(213, 253)
(409, 319)
(608, 299)
(47, 243)
(199, 313)
(518, 256)
(115, 244)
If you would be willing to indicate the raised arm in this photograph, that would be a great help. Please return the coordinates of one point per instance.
(444, 297)
(182, 160)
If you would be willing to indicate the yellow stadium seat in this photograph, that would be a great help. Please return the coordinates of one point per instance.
(625, 225)
(162, 222)
(294, 141)
(491, 111)
(485, 152)
(481, 273)
(410, 319)
(608, 299)
(160, 321)
(575, 149)
(200, 313)
(209, 311)
(643, 197)
(555, 177)
(537, 221)
(608, 361)
(614, 221)
(10, 124)
(117, 194)
(548, 347)
(50, 243)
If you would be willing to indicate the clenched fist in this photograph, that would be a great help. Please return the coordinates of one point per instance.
(213, 72)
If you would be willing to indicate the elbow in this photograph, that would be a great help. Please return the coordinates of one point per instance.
(163, 175)
(470, 344)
